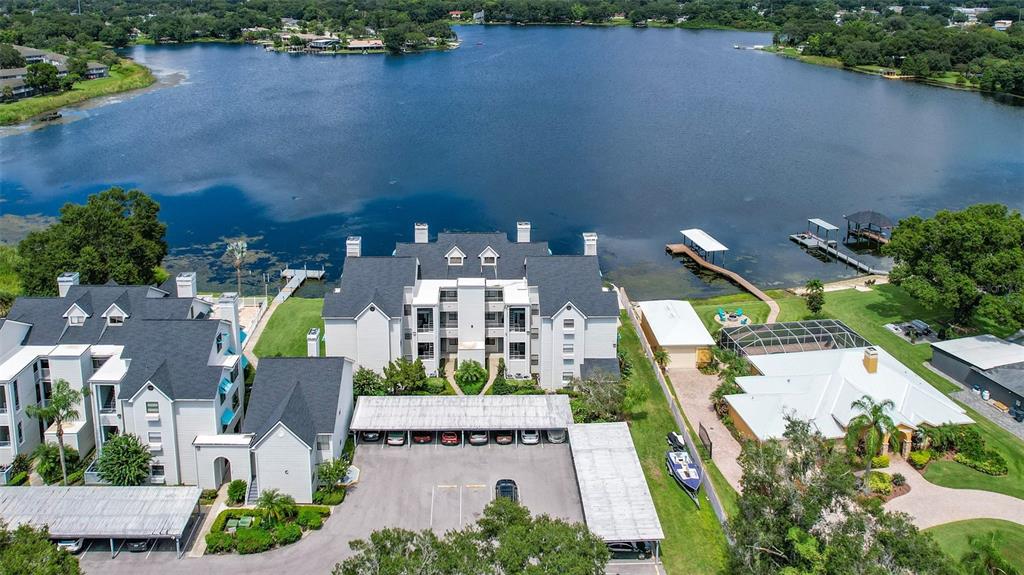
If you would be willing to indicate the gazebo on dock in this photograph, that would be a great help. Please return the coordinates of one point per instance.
(868, 225)
(706, 246)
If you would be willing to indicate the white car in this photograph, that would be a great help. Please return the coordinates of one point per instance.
(70, 545)
(555, 435)
(529, 437)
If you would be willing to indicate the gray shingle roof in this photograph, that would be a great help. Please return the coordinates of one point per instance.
(301, 392)
(511, 256)
(172, 354)
(365, 280)
(576, 279)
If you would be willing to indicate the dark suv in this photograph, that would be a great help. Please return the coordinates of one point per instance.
(506, 488)
(629, 550)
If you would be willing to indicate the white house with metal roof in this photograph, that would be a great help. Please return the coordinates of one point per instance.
(476, 296)
(821, 386)
(675, 327)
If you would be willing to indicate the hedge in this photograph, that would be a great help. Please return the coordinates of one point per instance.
(880, 461)
(332, 497)
(220, 542)
(988, 461)
(253, 540)
(287, 533)
(919, 459)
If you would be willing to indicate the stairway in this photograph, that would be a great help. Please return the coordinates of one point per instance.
(254, 492)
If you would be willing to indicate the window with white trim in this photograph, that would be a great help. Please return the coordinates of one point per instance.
(568, 348)
(517, 350)
(156, 470)
(154, 437)
(569, 323)
(152, 407)
(566, 377)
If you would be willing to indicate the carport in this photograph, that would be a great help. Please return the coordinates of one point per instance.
(461, 413)
(617, 504)
(103, 512)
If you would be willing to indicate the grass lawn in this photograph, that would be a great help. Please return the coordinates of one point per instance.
(867, 313)
(694, 541)
(123, 77)
(952, 537)
(10, 283)
(285, 334)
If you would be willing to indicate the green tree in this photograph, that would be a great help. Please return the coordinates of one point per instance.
(10, 57)
(277, 506)
(27, 550)
(114, 236)
(124, 460)
(578, 11)
(814, 296)
(470, 376)
(963, 260)
(871, 428)
(7, 94)
(598, 398)
(62, 407)
(916, 66)
(365, 381)
(332, 473)
(983, 557)
(78, 67)
(42, 77)
(662, 358)
(48, 461)
(404, 377)
(235, 252)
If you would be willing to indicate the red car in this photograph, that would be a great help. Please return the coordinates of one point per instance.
(449, 438)
(422, 437)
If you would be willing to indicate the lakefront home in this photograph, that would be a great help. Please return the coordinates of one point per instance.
(480, 297)
(14, 78)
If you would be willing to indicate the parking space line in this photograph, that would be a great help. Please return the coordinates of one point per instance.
(461, 523)
(151, 547)
(475, 485)
(432, 506)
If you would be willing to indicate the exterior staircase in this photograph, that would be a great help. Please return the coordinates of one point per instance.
(254, 492)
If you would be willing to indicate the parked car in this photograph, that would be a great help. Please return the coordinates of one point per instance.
(422, 437)
(556, 435)
(629, 550)
(370, 436)
(503, 437)
(478, 438)
(396, 438)
(449, 438)
(137, 545)
(70, 545)
(506, 488)
(529, 436)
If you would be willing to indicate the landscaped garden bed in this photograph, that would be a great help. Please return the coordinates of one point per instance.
(275, 522)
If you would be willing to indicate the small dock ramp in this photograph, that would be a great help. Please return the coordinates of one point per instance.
(295, 277)
(823, 242)
(699, 246)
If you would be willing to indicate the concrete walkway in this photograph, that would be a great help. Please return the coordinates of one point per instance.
(449, 374)
(930, 505)
(492, 371)
(219, 504)
(693, 389)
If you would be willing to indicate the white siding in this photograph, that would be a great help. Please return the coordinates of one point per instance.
(601, 337)
(346, 402)
(286, 464)
(374, 344)
(206, 458)
(136, 422)
(75, 370)
(340, 338)
(192, 418)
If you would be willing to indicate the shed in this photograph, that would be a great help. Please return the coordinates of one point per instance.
(674, 326)
(987, 362)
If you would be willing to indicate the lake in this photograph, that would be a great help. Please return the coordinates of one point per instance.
(634, 134)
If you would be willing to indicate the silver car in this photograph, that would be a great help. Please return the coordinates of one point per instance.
(555, 435)
(529, 437)
(71, 545)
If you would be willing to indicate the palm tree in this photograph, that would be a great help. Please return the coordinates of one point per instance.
(62, 406)
(870, 427)
(661, 358)
(277, 506)
(236, 251)
(983, 557)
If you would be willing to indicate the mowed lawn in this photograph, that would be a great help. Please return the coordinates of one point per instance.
(694, 541)
(285, 334)
(952, 537)
(867, 313)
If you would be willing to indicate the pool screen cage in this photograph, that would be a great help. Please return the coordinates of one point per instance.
(790, 337)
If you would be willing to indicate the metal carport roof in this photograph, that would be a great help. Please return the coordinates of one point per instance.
(617, 504)
(461, 412)
(101, 511)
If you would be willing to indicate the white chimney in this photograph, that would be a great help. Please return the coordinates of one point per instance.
(353, 247)
(65, 281)
(589, 244)
(523, 232)
(228, 311)
(422, 234)
(313, 342)
(186, 282)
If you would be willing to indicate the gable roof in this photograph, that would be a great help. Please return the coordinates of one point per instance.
(511, 255)
(820, 386)
(173, 355)
(366, 280)
(576, 279)
(300, 392)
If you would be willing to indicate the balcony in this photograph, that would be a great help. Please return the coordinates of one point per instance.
(227, 416)
(494, 324)
(92, 475)
(517, 327)
(225, 385)
(425, 328)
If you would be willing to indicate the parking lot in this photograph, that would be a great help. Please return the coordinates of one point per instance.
(441, 487)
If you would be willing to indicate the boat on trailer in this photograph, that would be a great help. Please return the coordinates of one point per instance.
(682, 467)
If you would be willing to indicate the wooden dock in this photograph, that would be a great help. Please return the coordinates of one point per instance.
(868, 234)
(813, 242)
(684, 250)
(295, 277)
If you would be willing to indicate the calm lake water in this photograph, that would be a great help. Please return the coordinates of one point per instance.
(634, 134)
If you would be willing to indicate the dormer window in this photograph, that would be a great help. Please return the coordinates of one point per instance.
(455, 257)
(115, 315)
(76, 315)
(115, 320)
(76, 319)
(489, 257)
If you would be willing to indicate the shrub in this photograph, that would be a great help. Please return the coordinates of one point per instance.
(515, 387)
(898, 479)
(207, 496)
(880, 461)
(287, 533)
(76, 477)
(436, 386)
(22, 463)
(988, 462)
(248, 541)
(329, 497)
(919, 459)
(48, 466)
(470, 376)
(236, 491)
(311, 517)
(219, 542)
(18, 479)
(124, 460)
(880, 483)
